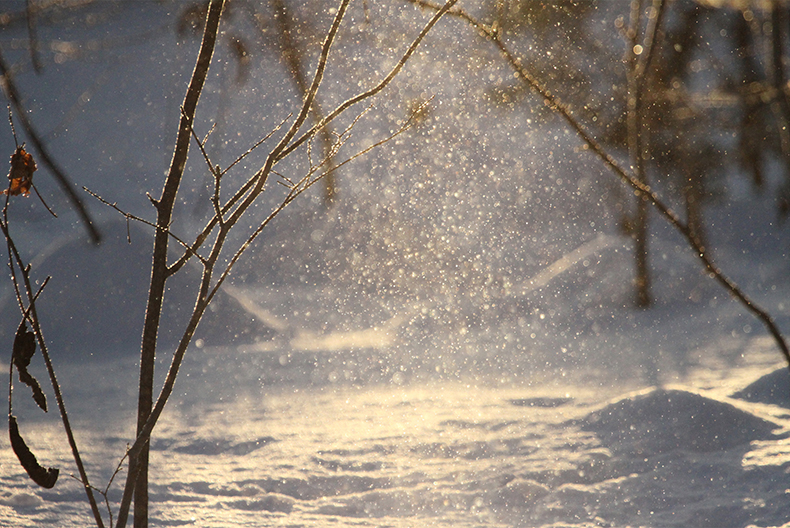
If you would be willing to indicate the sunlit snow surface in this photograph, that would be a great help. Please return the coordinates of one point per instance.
(236, 452)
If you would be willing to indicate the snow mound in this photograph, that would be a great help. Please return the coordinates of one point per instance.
(99, 303)
(270, 503)
(541, 402)
(21, 500)
(773, 388)
(211, 446)
(660, 421)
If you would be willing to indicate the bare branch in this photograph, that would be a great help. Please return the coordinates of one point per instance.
(306, 183)
(47, 207)
(208, 134)
(642, 189)
(214, 170)
(106, 490)
(259, 178)
(201, 238)
(258, 143)
(440, 12)
(255, 185)
(130, 216)
(294, 57)
(200, 144)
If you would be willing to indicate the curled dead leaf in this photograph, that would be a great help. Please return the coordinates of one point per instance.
(45, 478)
(24, 348)
(21, 174)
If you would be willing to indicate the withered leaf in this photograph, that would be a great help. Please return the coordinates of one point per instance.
(24, 348)
(21, 174)
(45, 478)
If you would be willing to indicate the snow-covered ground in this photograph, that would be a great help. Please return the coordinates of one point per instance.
(234, 450)
(452, 344)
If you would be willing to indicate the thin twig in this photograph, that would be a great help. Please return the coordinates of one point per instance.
(256, 184)
(130, 216)
(197, 140)
(294, 57)
(13, 128)
(48, 208)
(259, 143)
(105, 492)
(208, 134)
(306, 183)
(214, 170)
(258, 181)
(201, 238)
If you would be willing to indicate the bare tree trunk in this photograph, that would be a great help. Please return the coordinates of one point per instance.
(642, 278)
(637, 147)
(779, 22)
(781, 106)
(693, 193)
(159, 270)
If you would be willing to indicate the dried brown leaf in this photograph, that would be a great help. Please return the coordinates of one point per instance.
(24, 348)
(45, 478)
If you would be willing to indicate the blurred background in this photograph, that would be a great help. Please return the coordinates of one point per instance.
(484, 243)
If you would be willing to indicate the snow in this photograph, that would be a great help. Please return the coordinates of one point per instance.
(439, 453)
(772, 388)
(660, 420)
(452, 344)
